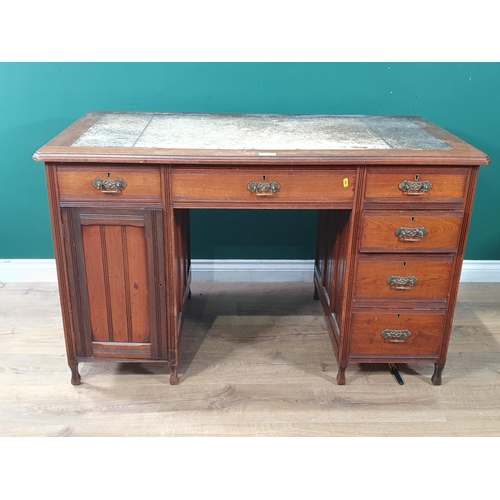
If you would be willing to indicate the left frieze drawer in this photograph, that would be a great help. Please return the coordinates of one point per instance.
(108, 182)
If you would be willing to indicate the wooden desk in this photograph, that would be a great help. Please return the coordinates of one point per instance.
(394, 196)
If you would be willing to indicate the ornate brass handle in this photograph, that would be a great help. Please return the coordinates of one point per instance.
(415, 188)
(402, 282)
(263, 188)
(411, 233)
(108, 185)
(396, 335)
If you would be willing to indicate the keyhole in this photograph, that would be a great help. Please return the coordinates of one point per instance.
(263, 177)
(413, 219)
(404, 264)
(416, 177)
(399, 316)
(109, 175)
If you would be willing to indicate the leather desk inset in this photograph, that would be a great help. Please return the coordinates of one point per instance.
(394, 196)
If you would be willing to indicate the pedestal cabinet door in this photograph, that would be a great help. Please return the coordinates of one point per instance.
(117, 281)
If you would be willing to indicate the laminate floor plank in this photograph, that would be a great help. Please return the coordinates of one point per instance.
(256, 361)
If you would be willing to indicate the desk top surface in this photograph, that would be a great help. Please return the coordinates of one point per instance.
(226, 139)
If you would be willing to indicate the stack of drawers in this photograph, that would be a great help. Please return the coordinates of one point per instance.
(407, 254)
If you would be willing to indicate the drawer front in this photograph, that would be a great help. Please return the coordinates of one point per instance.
(406, 333)
(410, 231)
(399, 277)
(416, 185)
(108, 183)
(256, 187)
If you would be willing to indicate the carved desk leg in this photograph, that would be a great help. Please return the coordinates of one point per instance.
(436, 376)
(75, 376)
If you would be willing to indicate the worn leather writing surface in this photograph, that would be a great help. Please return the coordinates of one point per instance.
(259, 132)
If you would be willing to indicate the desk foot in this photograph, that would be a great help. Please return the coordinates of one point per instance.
(316, 294)
(436, 376)
(75, 376)
(341, 375)
(174, 378)
(189, 293)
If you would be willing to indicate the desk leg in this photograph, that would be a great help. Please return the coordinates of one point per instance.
(341, 375)
(316, 294)
(75, 376)
(436, 376)
(174, 378)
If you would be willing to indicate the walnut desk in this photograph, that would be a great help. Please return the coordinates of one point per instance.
(394, 196)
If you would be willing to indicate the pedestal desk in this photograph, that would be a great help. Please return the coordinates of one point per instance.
(394, 196)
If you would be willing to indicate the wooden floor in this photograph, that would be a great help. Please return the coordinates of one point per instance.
(257, 361)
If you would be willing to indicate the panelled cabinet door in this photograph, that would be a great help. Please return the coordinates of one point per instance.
(117, 282)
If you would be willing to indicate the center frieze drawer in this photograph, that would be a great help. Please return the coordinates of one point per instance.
(410, 231)
(386, 333)
(262, 185)
(403, 276)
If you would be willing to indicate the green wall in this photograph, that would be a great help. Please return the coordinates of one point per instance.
(39, 100)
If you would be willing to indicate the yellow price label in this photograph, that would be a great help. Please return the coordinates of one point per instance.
(346, 182)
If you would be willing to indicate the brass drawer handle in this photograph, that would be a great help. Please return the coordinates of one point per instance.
(396, 335)
(402, 282)
(108, 185)
(263, 188)
(411, 233)
(415, 188)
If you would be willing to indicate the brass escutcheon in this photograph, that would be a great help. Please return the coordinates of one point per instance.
(396, 335)
(263, 188)
(411, 233)
(402, 282)
(108, 185)
(414, 188)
